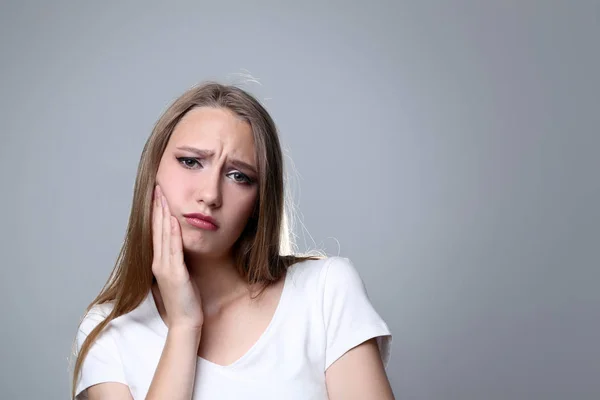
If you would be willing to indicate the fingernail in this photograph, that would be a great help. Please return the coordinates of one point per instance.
(163, 200)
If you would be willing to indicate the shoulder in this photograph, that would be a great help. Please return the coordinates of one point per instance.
(94, 316)
(327, 271)
(321, 267)
(99, 312)
(343, 285)
(342, 304)
(341, 271)
(141, 313)
(322, 272)
(328, 281)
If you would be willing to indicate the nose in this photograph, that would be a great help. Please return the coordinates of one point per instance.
(209, 191)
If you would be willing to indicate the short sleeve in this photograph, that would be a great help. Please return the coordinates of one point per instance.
(103, 362)
(350, 318)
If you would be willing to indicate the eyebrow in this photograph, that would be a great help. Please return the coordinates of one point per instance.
(207, 154)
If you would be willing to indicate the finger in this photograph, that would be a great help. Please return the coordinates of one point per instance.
(157, 219)
(176, 242)
(166, 232)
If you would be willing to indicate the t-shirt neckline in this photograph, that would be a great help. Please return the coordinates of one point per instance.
(163, 329)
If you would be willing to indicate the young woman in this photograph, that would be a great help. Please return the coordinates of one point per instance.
(206, 301)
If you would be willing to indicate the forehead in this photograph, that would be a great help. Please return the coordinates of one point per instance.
(215, 129)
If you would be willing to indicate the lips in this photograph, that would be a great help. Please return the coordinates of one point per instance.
(201, 221)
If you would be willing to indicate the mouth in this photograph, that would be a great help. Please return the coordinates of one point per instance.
(201, 221)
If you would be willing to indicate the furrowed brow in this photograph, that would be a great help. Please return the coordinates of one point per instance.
(207, 154)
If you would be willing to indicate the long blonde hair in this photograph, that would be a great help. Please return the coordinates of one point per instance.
(263, 251)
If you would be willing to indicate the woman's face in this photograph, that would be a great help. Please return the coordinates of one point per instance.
(209, 167)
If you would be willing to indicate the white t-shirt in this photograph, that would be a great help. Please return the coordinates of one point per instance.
(324, 311)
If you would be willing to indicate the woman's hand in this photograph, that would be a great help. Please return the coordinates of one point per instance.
(180, 295)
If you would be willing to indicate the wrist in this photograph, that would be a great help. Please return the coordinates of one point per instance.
(184, 332)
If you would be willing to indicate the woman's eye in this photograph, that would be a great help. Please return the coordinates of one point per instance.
(188, 162)
(239, 177)
(194, 163)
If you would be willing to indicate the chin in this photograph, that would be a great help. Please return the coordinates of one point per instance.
(202, 248)
(196, 247)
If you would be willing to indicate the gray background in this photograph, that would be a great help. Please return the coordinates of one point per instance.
(449, 148)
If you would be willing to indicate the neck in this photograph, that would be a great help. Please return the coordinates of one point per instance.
(218, 280)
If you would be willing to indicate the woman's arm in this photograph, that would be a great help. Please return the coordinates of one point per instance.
(176, 371)
(359, 374)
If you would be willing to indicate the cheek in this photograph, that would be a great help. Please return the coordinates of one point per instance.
(242, 205)
(162, 175)
(250, 202)
(173, 185)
